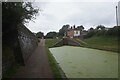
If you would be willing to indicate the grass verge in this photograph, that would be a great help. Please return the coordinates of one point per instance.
(53, 64)
(50, 42)
(100, 42)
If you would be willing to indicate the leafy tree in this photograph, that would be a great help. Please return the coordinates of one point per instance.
(40, 34)
(74, 26)
(113, 31)
(51, 35)
(91, 29)
(81, 28)
(100, 30)
(100, 27)
(14, 13)
(63, 30)
(91, 32)
(110, 32)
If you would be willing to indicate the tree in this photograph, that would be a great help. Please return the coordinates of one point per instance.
(91, 32)
(113, 31)
(51, 35)
(81, 28)
(14, 13)
(100, 30)
(91, 29)
(100, 27)
(74, 26)
(63, 30)
(40, 34)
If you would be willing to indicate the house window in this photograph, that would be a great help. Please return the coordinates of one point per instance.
(76, 32)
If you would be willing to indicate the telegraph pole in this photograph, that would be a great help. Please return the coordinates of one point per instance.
(116, 16)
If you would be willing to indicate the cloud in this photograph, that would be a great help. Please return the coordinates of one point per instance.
(74, 0)
(55, 14)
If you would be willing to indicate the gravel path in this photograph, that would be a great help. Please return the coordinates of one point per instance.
(37, 66)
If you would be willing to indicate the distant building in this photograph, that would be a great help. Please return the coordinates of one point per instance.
(74, 32)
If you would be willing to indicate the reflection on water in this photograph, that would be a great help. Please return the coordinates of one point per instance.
(79, 62)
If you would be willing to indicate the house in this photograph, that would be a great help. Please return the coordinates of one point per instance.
(73, 32)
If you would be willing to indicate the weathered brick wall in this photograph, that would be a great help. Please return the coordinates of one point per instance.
(18, 47)
(8, 58)
(28, 42)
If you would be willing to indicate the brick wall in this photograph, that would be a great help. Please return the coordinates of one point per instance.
(18, 47)
(70, 33)
(28, 42)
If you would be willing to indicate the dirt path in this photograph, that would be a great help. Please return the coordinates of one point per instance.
(37, 66)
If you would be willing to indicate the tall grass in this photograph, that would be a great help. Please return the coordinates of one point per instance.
(53, 64)
(103, 42)
(100, 42)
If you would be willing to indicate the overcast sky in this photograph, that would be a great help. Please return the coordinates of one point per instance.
(55, 14)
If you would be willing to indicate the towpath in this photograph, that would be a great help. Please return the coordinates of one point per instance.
(37, 65)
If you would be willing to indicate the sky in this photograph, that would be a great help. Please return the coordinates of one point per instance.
(54, 14)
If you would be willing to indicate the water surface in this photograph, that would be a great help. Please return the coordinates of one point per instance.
(79, 62)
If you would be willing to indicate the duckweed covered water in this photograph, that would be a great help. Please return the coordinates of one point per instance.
(79, 62)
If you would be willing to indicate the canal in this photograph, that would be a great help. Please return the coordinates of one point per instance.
(79, 62)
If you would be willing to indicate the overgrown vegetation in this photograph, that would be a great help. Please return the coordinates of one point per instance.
(101, 38)
(51, 35)
(52, 61)
(10, 72)
(100, 42)
(103, 42)
(13, 14)
(103, 31)
(8, 58)
(40, 34)
(19, 13)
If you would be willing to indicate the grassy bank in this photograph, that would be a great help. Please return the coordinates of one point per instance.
(50, 42)
(101, 42)
(52, 61)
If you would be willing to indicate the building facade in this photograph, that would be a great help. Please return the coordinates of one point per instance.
(71, 33)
